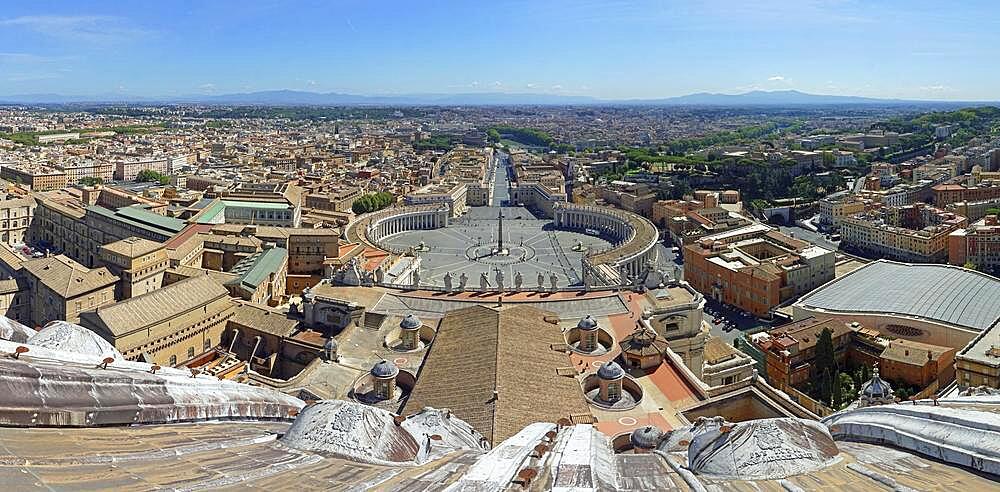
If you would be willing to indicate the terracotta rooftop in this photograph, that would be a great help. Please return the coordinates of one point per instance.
(496, 369)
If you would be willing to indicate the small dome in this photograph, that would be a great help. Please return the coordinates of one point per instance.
(385, 369)
(330, 345)
(410, 322)
(610, 370)
(876, 387)
(69, 337)
(588, 323)
(647, 437)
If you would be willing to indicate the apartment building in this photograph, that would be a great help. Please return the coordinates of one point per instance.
(757, 272)
(914, 233)
(946, 194)
(834, 209)
(979, 244)
(129, 169)
(35, 177)
(89, 168)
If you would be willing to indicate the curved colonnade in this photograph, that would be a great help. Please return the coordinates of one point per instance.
(371, 228)
(634, 238)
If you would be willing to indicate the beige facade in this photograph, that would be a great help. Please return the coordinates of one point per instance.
(833, 211)
(38, 178)
(61, 289)
(139, 264)
(676, 315)
(15, 218)
(916, 233)
(166, 326)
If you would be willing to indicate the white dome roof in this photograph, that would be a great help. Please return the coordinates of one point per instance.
(14, 331)
(68, 337)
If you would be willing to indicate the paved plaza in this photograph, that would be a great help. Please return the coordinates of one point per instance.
(467, 247)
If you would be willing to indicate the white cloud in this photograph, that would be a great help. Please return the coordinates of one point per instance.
(776, 78)
(557, 87)
(497, 83)
(311, 83)
(209, 87)
(936, 88)
(95, 29)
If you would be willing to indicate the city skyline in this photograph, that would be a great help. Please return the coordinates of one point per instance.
(603, 50)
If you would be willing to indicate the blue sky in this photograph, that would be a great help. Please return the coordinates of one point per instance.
(603, 48)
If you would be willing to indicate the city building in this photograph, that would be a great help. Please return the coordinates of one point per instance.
(834, 209)
(978, 244)
(60, 288)
(978, 363)
(261, 277)
(16, 213)
(790, 350)
(138, 263)
(916, 232)
(35, 178)
(705, 214)
(948, 193)
(129, 169)
(634, 197)
(165, 326)
(934, 304)
(758, 270)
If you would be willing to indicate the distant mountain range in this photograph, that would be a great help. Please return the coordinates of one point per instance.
(305, 98)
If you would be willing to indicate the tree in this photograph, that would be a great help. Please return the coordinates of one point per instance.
(149, 175)
(837, 391)
(372, 202)
(826, 363)
(970, 265)
(90, 180)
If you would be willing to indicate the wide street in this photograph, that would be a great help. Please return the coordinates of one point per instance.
(817, 238)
